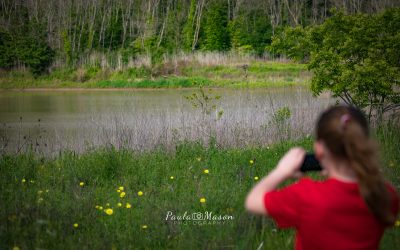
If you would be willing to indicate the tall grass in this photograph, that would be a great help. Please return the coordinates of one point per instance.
(40, 212)
(220, 69)
(114, 60)
(42, 198)
(172, 82)
(144, 120)
(388, 135)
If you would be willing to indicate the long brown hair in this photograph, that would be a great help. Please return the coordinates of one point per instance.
(344, 131)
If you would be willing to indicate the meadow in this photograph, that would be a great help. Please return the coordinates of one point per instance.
(201, 69)
(129, 191)
(119, 199)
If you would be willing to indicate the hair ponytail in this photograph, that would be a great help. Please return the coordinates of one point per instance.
(344, 130)
(361, 152)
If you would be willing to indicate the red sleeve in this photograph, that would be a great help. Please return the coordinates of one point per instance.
(283, 205)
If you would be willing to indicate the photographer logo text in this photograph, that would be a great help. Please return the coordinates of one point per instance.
(198, 218)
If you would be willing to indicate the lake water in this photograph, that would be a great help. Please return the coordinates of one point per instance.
(50, 121)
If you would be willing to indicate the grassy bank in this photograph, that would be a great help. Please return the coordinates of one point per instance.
(63, 202)
(167, 75)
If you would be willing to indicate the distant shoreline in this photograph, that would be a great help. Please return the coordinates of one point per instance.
(56, 89)
(258, 75)
(94, 89)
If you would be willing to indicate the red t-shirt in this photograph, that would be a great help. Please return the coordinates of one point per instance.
(327, 214)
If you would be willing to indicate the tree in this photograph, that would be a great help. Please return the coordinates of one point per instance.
(250, 31)
(354, 56)
(189, 28)
(79, 31)
(216, 27)
(25, 45)
(7, 54)
(294, 42)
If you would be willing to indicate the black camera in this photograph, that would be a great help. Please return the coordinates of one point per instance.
(310, 163)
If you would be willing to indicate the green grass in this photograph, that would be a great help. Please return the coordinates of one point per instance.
(40, 212)
(172, 82)
(259, 74)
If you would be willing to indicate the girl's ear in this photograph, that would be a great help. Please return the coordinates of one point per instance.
(319, 150)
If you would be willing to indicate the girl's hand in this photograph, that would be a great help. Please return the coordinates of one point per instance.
(290, 163)
(288, 166)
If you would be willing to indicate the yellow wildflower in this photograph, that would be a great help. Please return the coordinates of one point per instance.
(119, 204)
(198, 158)
(256, 178)
(171, 177)
(107, 204)
(122, 194)
(251, 162)
(76, 225)
(81, 184)
(12, 217)
(140, 193)
(32, 181)
(109, 211)
(100, 208)
(119, 191)
(97, 206)
(206, 171)
(128, 205)
(121, 188)
(23, 180)
(202, 200)
(144, 226)
(47, 190)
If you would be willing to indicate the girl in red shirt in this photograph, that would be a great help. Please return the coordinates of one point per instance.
(348, 210)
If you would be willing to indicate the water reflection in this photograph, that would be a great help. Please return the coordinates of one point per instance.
(144, 119)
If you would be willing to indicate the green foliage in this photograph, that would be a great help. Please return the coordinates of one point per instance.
(6, 50)
(36, 54)
(67, 48)
(151, 48)
(281, 115)
(26, 45)
(260, 75)
(131, 51)
(147, 83)
(205, 101)
(295, 43)
(216, 30)
(132, 73)
(188, 29)
(250, 32)
(353, 56)
(162, 28)
(281, 122)
(173, 38)
(113, 32)
(355, 59)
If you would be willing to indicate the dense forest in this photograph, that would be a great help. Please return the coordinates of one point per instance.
(40, 33)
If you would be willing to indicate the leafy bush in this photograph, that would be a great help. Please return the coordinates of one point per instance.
(216, 28)
(354, 56)
(27, 45)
